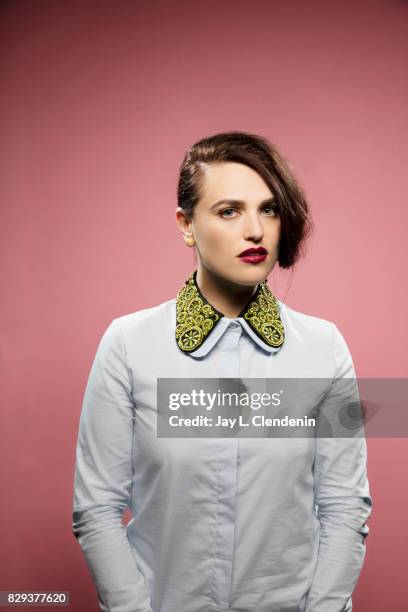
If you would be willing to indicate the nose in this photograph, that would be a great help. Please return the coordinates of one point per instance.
(253, 228)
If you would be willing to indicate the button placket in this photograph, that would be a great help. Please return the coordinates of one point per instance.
(228, 367)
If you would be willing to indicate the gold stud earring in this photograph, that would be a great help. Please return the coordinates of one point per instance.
(189, 239)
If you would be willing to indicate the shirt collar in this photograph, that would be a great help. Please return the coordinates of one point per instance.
(199, 325)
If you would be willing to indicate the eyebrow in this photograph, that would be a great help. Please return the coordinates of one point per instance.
(240, 202)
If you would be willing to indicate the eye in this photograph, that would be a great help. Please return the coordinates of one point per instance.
(226, 210)
(272, 208)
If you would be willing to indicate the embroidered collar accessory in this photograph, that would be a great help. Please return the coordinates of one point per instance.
(196, 317)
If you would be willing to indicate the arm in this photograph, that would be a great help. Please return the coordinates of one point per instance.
(103, 480)
(343, 499)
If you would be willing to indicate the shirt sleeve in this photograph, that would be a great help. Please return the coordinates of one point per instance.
(342, 498)
(103, 479)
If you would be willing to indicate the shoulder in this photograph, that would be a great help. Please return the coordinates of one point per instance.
(137, 328)
(142, 325)
(309, 330)
(153, 315)
(301, 323)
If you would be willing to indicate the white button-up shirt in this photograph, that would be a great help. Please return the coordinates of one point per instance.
(219, 524)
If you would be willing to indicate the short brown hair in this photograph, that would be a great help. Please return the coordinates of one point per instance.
(260, 154)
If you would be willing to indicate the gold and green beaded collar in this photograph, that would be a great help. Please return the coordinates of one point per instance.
(196, 318)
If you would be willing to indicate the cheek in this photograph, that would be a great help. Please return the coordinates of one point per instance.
(213, 240)
(272, 238)
(276, 232)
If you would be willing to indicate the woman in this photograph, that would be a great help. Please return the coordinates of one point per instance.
(220, 523)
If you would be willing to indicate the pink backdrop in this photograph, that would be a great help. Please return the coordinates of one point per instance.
(99, 102)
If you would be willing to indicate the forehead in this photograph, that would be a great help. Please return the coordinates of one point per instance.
(233, 180)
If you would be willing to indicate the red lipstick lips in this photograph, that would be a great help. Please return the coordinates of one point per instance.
(253, 255)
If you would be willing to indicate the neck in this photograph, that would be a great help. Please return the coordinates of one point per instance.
(226, 296)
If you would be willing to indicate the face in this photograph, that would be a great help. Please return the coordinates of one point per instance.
(236, 213)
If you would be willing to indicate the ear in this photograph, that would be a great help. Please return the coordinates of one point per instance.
(182, 221)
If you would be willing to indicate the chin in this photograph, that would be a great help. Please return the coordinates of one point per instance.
(246, 275)
(253, 276)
